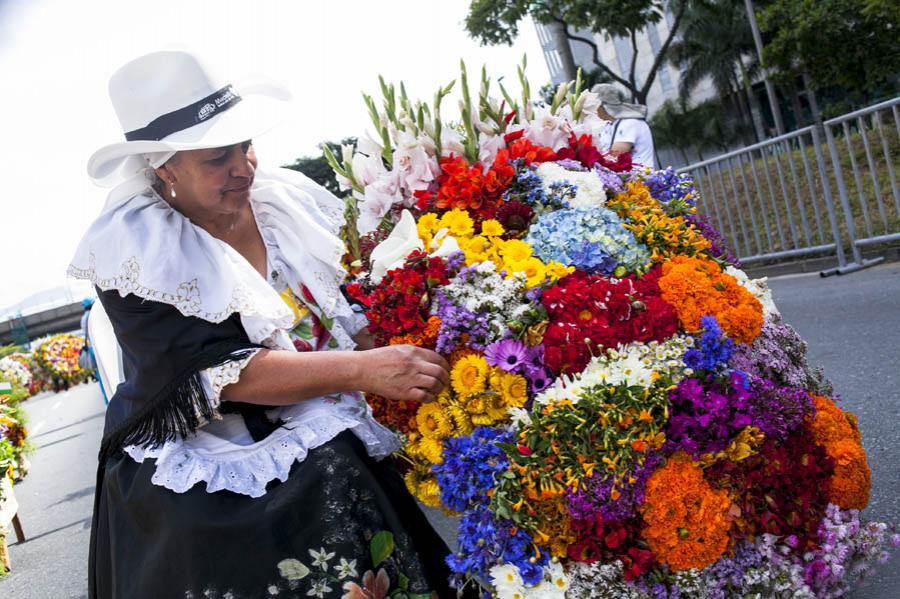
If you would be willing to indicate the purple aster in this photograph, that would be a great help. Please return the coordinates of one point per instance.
(508, 354)
(538, 376)
(571, 165)
(610, 179)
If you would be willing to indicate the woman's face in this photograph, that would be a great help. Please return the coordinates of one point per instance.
(210, 182)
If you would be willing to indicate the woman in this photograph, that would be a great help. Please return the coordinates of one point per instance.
(239, 458)
(627, 131)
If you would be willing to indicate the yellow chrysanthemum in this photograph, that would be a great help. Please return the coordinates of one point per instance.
(492, 228)
(462, 424)
(468, 375)
(433, 422)
(458, 221)
(513, 389)
(431, 449)
(515, 250)
(533, 268)
(428, 223)
(557, 270)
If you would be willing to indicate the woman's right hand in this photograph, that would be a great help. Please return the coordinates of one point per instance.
(403, 372)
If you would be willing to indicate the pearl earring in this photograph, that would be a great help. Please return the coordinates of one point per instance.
(173, 191)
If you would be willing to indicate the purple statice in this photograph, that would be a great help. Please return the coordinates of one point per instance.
(778, 411)
(509, 354)
(714, 350)
(470, 466)
(595, 493)
(718, 245)
(847, 552)
(456, 320)
(779, 355)
(725, 578)
(705, 417)
(612, 181)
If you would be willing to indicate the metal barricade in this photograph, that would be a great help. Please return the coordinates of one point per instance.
(789, 197)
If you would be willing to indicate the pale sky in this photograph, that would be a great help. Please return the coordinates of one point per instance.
(56, 57)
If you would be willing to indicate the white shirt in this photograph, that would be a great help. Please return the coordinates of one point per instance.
(635, 132)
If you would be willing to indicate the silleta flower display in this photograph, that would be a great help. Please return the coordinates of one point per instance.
(627, 416)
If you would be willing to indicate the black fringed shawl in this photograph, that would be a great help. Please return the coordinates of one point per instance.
(163, 353)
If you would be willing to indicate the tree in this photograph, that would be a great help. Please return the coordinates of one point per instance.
(497, 22)
(716, 42)
(699, 128)
(318, 169)
(847, 43)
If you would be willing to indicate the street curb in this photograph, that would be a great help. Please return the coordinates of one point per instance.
(815, 265)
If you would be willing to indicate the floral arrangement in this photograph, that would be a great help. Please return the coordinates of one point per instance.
(628, 416)
(35, 372)
(16, 374)
(58, 355)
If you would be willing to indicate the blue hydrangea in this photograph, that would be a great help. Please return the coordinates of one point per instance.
(590, 238)
(715, 348)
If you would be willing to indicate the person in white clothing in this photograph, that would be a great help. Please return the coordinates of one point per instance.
(627, 130)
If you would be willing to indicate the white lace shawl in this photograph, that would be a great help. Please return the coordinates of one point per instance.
(140, 245)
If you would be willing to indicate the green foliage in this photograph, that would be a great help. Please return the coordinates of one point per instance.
(497, 22)
(852, 44)
(12, 348)
(699, 128)
(317, 167)
(715, 39)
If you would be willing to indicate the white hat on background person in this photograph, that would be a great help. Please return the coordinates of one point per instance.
(170, 101)
(613, 101)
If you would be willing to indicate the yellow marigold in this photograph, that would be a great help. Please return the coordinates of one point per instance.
(492, 228)
(458, 222)
(687, 521)
(515, 250)
(837, 432)
(422, 485)
(433, 422)
(469, 374)
(697, 287)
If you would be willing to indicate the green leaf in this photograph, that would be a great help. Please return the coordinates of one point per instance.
(403, 581)
(293, 569)
(381, 547)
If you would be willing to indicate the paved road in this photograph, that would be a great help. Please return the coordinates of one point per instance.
(852, 325)
(56, 498)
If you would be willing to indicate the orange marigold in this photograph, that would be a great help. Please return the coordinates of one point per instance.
(687, 520)
(426, 338)
(838, 433)
(697, 287)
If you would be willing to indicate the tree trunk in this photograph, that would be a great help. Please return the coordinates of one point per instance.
(811, 96)
(753, 101)
(795, 105)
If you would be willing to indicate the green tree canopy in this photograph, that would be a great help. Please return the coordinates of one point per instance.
(318, 169)
(497, 22)
(848, 43)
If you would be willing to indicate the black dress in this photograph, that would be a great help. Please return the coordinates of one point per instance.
(341, 525)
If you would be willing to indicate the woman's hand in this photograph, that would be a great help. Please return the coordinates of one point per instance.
(404, 372)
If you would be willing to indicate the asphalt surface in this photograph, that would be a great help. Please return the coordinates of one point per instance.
(851, 323)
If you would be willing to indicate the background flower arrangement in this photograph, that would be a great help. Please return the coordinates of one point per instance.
(627, 415)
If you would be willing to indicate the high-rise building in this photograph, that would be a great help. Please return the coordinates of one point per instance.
(616, 53)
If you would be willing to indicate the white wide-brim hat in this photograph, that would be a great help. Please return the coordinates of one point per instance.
(170, 101)
(613, 101)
